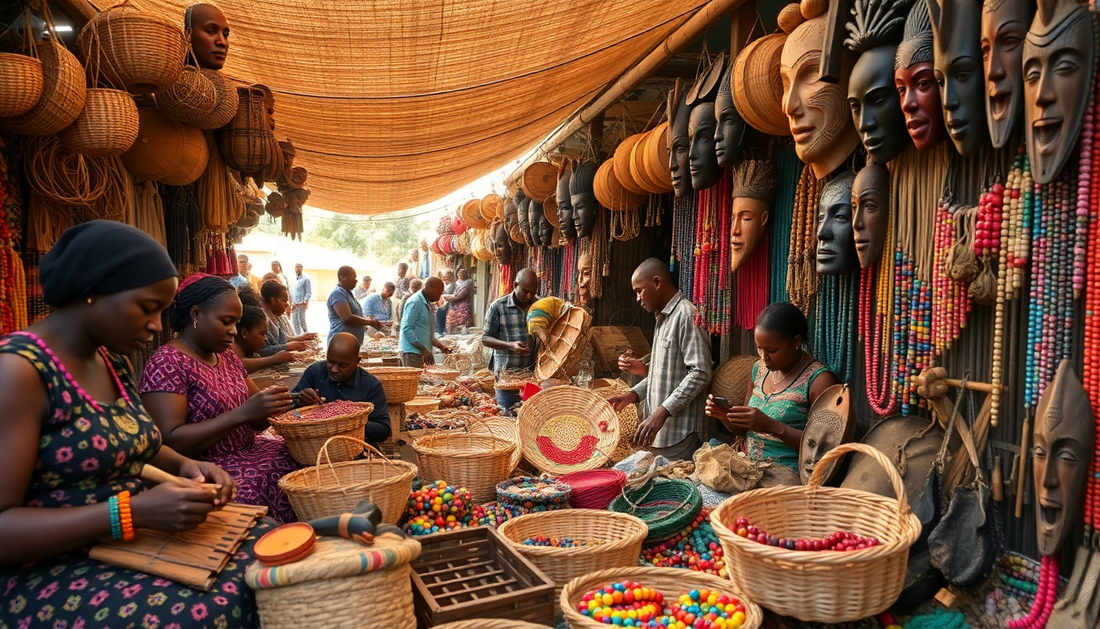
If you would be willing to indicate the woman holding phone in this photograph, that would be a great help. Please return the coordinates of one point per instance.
(785, 383)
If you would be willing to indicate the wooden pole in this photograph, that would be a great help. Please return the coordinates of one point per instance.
(833, 52)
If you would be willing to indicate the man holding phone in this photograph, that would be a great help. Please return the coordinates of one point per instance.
(678, 372)
(506, 333)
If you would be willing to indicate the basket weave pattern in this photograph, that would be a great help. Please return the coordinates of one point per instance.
(550, 413)
(476, 462)
(561, 357)
(63, 94)
(20, 83)
(422, 405)
(108, 126)
(628, 419)
(191, 99)
(503, 427)
(305, 438)
(828, 586)
(140, 52)
(399, 383)
(225, 109)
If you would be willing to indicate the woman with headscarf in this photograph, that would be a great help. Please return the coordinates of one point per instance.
(74, 438)
(460, 315)
(200, 396)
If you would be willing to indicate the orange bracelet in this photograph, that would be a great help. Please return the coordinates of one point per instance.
(126, 516)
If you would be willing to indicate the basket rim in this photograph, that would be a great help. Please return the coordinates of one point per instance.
(424, 444)
(635, 531)
(302, 422)
(292, 477)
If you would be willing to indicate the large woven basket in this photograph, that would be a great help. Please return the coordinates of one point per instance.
(666, 505)
(399, 383)
(137, 51)
(64, 91)
(20, 83)
(567, 429)
(628, 419)
(561, 357)
(225, 109)
(335, 488)
(669, 581)
(827, 586)
(305, 438)
(491, 623)
(476, 462)
(191, 99)
(108, 126)
(422, 405)
(733, 379)
(620, 535)
(539, 181)
(243, 142)
(503, 427)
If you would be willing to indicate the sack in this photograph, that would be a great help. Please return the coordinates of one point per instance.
(724, 469)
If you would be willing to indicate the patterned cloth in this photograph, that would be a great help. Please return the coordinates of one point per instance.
(85, 456)
(679, 370)
(255, 460)
(336, 325)
(460, 314)
(505, 321)
(381, 309)
(790, 406)
(402, 287)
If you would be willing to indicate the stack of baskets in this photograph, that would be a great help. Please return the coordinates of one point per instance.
(666, 505)
(561, 357)
(476, 462)
(399, 383)
(305, 437)
(566, 429)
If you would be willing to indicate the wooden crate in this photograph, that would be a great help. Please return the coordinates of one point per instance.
(610, 341)
(475, 573)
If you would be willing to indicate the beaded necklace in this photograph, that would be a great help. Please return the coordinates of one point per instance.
(950, 302)
(752, 286)
(788, 171)
(1045, 596)
(880, 394)
(72, 381)
(1013, 201)
(683, 241)
(834, 322)
(802, 277)
(1091, 341)
(569, 269)
(711, 293)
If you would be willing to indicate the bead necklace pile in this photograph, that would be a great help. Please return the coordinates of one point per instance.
(838, 541)
(1044, 597)
(950, 302)
(912, 329)
(696, 548)
(1012, 205)
(834, 322)
(802, 277)
(569, 269)
(752, 286)
(788, 171)
(683, 242)
(711, 293)
(1091, 341)
(879, 379)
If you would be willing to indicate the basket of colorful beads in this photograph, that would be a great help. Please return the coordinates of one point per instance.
(696, 547)
(820, 554)
(477, 462)
(570, 543)
(656, 597)
(666, 505)
(566, 429)
(527, 494)
(308, 428)
(437, 506)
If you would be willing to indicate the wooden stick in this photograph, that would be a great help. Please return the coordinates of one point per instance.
(980, 387)
(1021, 480)
(833, 51)
(157, 476)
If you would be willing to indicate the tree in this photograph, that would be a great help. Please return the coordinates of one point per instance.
(386, 240)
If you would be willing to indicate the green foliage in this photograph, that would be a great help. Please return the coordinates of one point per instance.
(387, 241)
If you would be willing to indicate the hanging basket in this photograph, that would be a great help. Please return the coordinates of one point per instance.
(758, 87)
(539, 181)
(64, 92)
(166, 151)
(827, 586)
(243, 143)
(567, 429)
(561, 357)
(108, 126)
(611, 192)
(476, 462)
(191, 99)
(656, 157)
(137, 51)
(492, 207)
(226, 105)
(20, 83)
(621, 160)
(471, 214)
(305, 437)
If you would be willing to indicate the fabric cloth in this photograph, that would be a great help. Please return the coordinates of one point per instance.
(412, 360)
(790, 406)
(85, 456)
(683, 450)
(359, 292)
(679, 370)
(101, 258)
(302, 290)
(417, 324)
(298, 320)
(402, 287)
(506, 321)
(336, 325)
(507, 399)
(256, 460)
(381, 309)
(542, 314)
(460, 314)
(361, 387)
(238, 281)
(276, 337)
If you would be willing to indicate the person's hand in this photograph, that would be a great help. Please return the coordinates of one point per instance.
(749, 418)
(428, 358)
(619, 402)
(309, 336)
(207, 472)
(295, 346)
(270, 401)
(447, 351)
(632, 365)
(647, 430)
(519, 347)
(308, 397)
(284, 356)
(172, 507)
(305, 305)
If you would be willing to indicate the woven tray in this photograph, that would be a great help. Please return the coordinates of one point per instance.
(476, 462)
(399, 383)
(666, 505)
(566, 429)
(305, 438)
(561, 357)
(422, 405)
(628, 419)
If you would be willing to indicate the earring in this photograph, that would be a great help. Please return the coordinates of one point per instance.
(195, 323)
(90, 301)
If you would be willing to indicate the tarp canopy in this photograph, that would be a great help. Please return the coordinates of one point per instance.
(392, 104)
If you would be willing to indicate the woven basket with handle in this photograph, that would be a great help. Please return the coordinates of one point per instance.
(191, 99)
(671, 582)
(305, 437)
(137, 51)
(20, 83)
(561, 357)
(225, 109)
(567, 429)
(476, 462)
(827, 586)
(620, 541)
(399, 383)
(335, 488)
(503, 427)
(108, 126)
(64, 91)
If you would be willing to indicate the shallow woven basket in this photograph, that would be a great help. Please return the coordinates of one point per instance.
(191, 99)
(306, 438)
(491, 623)
(137, 51)
(225, 108)
(543, 412)
(733, 379)
(335, 488)
(64, 91)
(20, 83)
(422, 405)
(476, 462)
(829, 586)
(443, 373)
(539, 181)
(399, 383)
(666, 505)
(622, 536)
(561, 357)
(108, 126)
(669, 581)
(628, 419)
(503, 427)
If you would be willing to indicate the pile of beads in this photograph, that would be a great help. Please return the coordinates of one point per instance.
(695, 548)
(437, 507)
(940, 619)
(839, 540)
(489, 514)
(630, 604)
(987, 238)
(529, 494)
(565, 542)
(339, 408)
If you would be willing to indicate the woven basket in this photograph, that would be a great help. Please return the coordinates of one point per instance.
(243, 142)
(829, 586)
(669, 581)
(622, 537)
(656, 157)
(306, 438)
(225, 109)
(561, 357)
(476, 462)
(492, 207)
(108, 126)
(166, 151)
(20, 83)
(422, 405)
(621, 161)
(191, 99)
(318, 492)
(502, 427)
(757, 86)
(64, 92)
(443, 373)
(539, 181)
(137, 51)
(628, 419)
(491, 623)
(568, 421)
(471, 214)
(666, 505)
(612, 193)
(733, 379)
(399, 383)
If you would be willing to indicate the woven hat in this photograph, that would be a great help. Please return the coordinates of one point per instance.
(757, 86)
(539, 180)
(471, 214)
(550, 209)
(733, 379)
(492, 207)
(705, 89)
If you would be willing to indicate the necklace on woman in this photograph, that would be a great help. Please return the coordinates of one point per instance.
(796, 371)
(201, 355)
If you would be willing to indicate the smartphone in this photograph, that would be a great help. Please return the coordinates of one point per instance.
(722, 402)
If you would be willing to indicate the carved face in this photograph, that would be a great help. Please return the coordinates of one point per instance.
(876, 106)
(959, 73)
(871, 213)
(502, 244)
(750, 218)
(546, 231)
(565, 206)
(585, 207)
(816, 110)
(1063, 439)
(827, 426)
(523, 213)
(535, 219)
(702, 160)
(731, 133)
(584, 280)
(1058, 66)
(1004, 26)
(920, 102)
(836, 245)
(679, 149)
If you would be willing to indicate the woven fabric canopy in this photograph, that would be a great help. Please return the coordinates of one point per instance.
(393, 104)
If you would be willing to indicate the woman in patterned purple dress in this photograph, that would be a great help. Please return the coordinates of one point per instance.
(201, 398)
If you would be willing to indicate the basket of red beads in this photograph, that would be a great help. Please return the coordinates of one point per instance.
(307, 429)
(819, 554)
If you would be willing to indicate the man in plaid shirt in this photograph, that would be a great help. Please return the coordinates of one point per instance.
(506, 332)
(679, 367)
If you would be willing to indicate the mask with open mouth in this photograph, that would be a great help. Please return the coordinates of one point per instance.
(1004, 26)
(828, 424)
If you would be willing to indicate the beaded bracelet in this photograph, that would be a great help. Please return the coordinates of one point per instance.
(126, 516)
(116, 522)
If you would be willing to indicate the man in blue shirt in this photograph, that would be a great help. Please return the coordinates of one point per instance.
(344, 313)
(300, 295)
(417, 326)
(380, 306)
(506, 333)
(340, 377)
